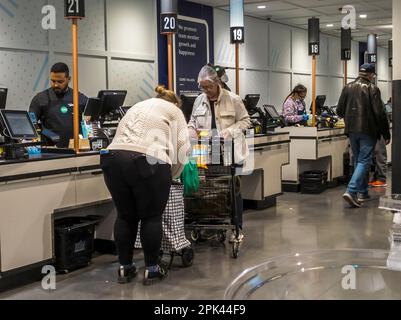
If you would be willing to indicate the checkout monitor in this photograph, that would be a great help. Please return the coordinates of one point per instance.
(251, 101)
(188, 101)
(111, 100)
(93, 108)
(18, 124)
(3, 98)
(320, 100)
(271, 112)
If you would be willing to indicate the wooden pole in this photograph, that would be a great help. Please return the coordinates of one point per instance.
(75, 76)
(237, 68)
(314, 91)
(345, 72)
(170, 61)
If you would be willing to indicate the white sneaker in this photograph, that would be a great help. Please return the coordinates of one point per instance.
(234, 238)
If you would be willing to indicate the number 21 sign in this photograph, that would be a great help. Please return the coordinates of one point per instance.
(74, 9)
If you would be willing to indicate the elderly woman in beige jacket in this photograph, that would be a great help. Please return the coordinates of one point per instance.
(224, 113)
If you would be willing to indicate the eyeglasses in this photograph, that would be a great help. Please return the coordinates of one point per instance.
(207, 88)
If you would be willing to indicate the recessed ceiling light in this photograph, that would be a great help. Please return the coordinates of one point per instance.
(261, 7)
(330, 25)
(363, 16)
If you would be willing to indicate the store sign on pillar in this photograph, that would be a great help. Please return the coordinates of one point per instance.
(345, 44)
(314, 36)
(168, 17)
(237, 29)
(74, 9)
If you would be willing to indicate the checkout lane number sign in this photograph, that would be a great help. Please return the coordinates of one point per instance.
(74, 8)
(168, 23)
(237, 35)
(314, 49)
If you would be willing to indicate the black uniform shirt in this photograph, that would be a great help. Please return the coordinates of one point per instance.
(56, 113)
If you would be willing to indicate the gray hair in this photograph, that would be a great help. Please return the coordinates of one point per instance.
(208, 73)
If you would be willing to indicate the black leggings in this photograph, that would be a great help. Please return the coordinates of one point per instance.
(140, 192)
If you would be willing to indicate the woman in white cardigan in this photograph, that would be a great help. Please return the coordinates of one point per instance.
(149, 149)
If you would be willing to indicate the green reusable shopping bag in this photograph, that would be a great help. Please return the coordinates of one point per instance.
(190, 178)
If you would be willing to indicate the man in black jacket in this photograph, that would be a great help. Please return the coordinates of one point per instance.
(365, 119)
(54, 106)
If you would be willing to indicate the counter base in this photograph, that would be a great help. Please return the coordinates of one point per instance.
(267, 203)
(23, 276)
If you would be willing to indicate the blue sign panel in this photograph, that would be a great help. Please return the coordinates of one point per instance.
(191, 53)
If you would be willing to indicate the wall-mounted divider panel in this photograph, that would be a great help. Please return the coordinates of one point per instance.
(113, 30)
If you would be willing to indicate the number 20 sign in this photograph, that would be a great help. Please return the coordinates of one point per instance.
(168, 23)
(74, 9)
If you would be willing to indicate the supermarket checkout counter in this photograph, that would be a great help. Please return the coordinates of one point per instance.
(314, 149)
(261, 183)
(34, 192)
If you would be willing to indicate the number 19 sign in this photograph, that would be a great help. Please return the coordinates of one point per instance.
(237, 34)
(74, 9)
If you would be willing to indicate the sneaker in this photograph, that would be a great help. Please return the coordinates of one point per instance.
(150, 278)
(351, 200)
(370, 184)
(379, 184)
(125, 275)
(234, 238)
(364, 197)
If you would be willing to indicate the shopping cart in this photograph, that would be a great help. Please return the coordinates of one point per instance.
(174, 242)
(213, 207)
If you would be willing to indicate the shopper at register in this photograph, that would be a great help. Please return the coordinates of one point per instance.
(224, 113)
(54, 106)
(294, 108)
(365, 119)
(149, 149)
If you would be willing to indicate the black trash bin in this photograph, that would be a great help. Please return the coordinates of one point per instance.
(313, 182)
(74, 238)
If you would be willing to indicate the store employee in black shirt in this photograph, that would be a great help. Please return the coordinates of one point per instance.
(54, 106)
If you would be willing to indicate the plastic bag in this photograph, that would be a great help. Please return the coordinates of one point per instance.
(190, 177)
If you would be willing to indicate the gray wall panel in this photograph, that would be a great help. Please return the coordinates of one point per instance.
(136, 77)
(24, 74)
(21, 22)
(27, 51)
(92, 32)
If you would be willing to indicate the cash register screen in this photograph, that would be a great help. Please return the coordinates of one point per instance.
(271, 111)
(3, 97)
(18, 124)
(112, 100)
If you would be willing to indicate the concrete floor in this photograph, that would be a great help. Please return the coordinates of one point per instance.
(299, 223)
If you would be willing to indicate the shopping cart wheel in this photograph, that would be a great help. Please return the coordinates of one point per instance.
(222, 236)
(187, 257)
(235, 249)
(195, 235)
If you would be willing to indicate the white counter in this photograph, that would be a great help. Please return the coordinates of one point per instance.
(268, 154)
(313, 149)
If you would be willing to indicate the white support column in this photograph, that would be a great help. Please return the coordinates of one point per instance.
(396, 136)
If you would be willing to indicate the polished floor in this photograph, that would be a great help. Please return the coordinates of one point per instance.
(298, 224)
